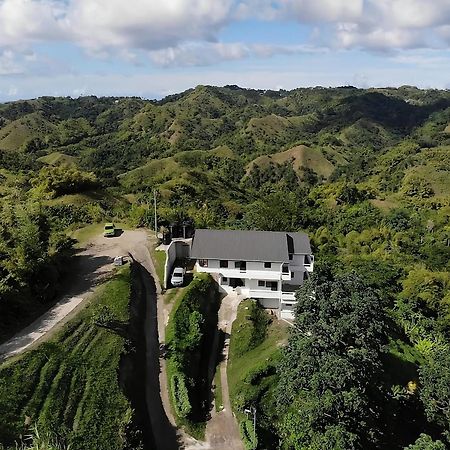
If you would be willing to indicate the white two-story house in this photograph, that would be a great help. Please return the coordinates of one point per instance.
(264, 265)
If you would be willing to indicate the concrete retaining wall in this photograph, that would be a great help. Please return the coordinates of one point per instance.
(176, 249)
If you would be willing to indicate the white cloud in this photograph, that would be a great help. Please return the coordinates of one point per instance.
(322, 10)
(144, 24)
(198, 54)
(100, 26)
(205, 54)
(9, 64)
(301, 10)
(379, 39)
(386, 25)
(367, 24)
(412, 13)
(187, 32)
(27, 21)
(428, 60)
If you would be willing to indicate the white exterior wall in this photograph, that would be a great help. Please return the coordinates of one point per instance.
(255, 271)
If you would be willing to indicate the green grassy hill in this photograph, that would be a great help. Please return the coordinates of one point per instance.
(57, 158)
(300, 157)
(365, 172)
(16, 133)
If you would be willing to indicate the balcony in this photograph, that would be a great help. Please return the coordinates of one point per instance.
(288, 297)
(270, 275)
(263, 293)
(289, 287)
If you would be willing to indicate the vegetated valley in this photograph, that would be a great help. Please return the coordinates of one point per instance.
(366, 173)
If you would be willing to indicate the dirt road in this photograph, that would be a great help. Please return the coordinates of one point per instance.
(166, 435)
(90, 267)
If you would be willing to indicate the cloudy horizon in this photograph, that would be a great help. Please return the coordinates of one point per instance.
(139, 48)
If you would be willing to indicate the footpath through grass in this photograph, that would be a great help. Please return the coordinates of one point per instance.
(255, 344)
(69, 386)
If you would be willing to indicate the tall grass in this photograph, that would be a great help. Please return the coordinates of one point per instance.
(69, 386)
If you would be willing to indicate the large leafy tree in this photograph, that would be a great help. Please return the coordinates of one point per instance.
(278, 211)
(435, 391)
(425, 442)
(329, 370)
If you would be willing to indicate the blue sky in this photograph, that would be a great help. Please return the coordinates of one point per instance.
(152, 48)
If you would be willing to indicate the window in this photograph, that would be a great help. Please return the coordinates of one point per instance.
(241, 265)
(273, 285)
(223, 263)
(203, 262)
(292, 275)
(261, 283)
(224, 280)
(267, 265)
(285, 268)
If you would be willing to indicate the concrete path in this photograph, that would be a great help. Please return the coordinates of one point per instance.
(90, 267)
(39, 327)
(222, 432)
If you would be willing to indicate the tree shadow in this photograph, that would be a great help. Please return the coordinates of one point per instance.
(116, 327)
(81, 274)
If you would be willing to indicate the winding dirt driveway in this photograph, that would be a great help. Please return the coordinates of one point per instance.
(90, 268)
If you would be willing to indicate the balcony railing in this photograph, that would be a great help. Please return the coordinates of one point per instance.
(289, 288)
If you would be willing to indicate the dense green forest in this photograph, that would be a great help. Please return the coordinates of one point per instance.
(365, 172)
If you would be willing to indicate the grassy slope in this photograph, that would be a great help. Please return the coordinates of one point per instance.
(240, 366)
(173, 167)
(57, 158)
(70, 384)
(159, 260)
(301, 156)
(251, 375)
(16, 133)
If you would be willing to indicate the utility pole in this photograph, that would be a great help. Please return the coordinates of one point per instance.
(156, 218)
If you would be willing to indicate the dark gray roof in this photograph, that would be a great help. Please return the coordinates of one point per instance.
(248, 245)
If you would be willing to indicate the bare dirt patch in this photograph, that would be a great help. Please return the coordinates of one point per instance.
(90, 267)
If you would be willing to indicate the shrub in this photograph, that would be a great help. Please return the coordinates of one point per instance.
(180, 395)
(251, 337)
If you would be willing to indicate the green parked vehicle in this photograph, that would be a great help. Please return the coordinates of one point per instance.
(109, 230)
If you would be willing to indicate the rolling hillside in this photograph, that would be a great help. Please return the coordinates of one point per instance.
(300, 157)
(18, 132)
(365, 172)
